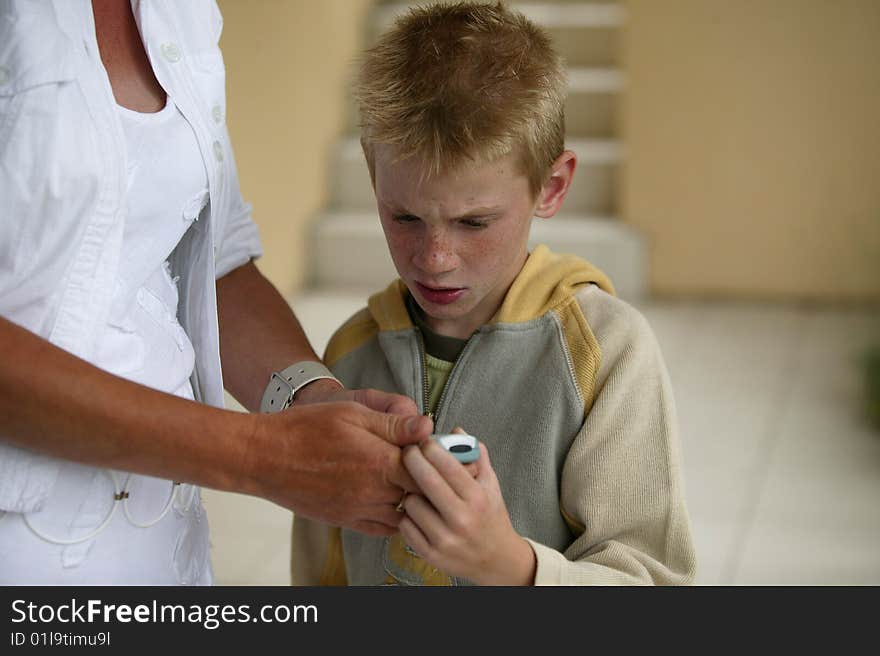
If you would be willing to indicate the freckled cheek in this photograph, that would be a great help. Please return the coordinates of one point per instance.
(484, 256)
(402, 246)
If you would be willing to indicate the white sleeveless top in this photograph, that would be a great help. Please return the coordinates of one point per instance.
(167, 187)
(94, 514)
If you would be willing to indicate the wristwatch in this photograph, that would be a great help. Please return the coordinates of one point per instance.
(283, 385)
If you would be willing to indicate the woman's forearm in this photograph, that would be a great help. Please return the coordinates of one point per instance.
(58, 404)
(259, 334)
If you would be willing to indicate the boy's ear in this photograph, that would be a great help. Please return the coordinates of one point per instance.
(556, 188)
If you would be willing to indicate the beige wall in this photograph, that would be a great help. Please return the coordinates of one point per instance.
(288, 63)
(753, 136)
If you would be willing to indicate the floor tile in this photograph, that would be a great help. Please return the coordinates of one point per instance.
(712, 540)
(817, 519)
(246, 534)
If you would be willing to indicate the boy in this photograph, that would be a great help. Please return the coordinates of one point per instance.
(463, 132)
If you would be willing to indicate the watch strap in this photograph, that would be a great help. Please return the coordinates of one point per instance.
(285, 384)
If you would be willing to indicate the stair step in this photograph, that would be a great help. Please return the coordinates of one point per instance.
(594, 80)
(592, 191)
(349, 250)
(597, 151)
(591, 109)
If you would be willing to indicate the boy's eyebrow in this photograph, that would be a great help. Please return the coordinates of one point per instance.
(479, 211)
(469, 214)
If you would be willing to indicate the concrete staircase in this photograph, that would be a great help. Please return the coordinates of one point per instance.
(348, 250)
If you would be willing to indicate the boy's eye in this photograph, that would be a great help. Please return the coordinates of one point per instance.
(405, 218)
(474, 223)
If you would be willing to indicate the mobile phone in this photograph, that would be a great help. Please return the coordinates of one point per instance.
(465, 448)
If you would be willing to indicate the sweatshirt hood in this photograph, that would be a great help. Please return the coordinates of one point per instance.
(546, 281)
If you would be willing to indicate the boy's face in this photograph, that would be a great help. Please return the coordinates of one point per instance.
(457, 239)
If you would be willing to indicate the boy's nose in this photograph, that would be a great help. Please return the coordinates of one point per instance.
(437, 254)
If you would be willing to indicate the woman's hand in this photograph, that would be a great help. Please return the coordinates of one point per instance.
(338, 462)
(460, 524)
(326, 390)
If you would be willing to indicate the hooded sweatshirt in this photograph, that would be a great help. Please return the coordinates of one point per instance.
(567, 389)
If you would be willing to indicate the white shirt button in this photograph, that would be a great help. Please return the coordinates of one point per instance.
(218, 151)
(171, 52)
(4, 76)
(217, 113)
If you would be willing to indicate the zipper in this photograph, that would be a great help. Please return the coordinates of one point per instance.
(424, 364)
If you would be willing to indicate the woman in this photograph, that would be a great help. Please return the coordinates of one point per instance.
(120, 209)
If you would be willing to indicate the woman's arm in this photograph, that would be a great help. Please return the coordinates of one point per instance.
(322, 460)
(259, 334)
(56, 403)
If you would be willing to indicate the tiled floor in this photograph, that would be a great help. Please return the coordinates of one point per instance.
(782, 471)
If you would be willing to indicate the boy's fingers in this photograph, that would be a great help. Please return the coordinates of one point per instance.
(414, 536)
(484, 465)
(459, 477)
(434, 487)
(471, 467)
(425, 516)
(456, 477)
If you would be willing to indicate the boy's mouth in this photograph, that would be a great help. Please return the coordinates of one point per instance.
(440, 295)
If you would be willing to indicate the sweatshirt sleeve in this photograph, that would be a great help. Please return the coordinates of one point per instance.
(622, 487)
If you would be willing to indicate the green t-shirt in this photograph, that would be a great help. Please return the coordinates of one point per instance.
(441, 352)
(438, 371)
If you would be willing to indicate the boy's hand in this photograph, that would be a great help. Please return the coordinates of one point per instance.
(460, 524)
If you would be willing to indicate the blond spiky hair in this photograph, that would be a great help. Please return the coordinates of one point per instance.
(469, 82)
